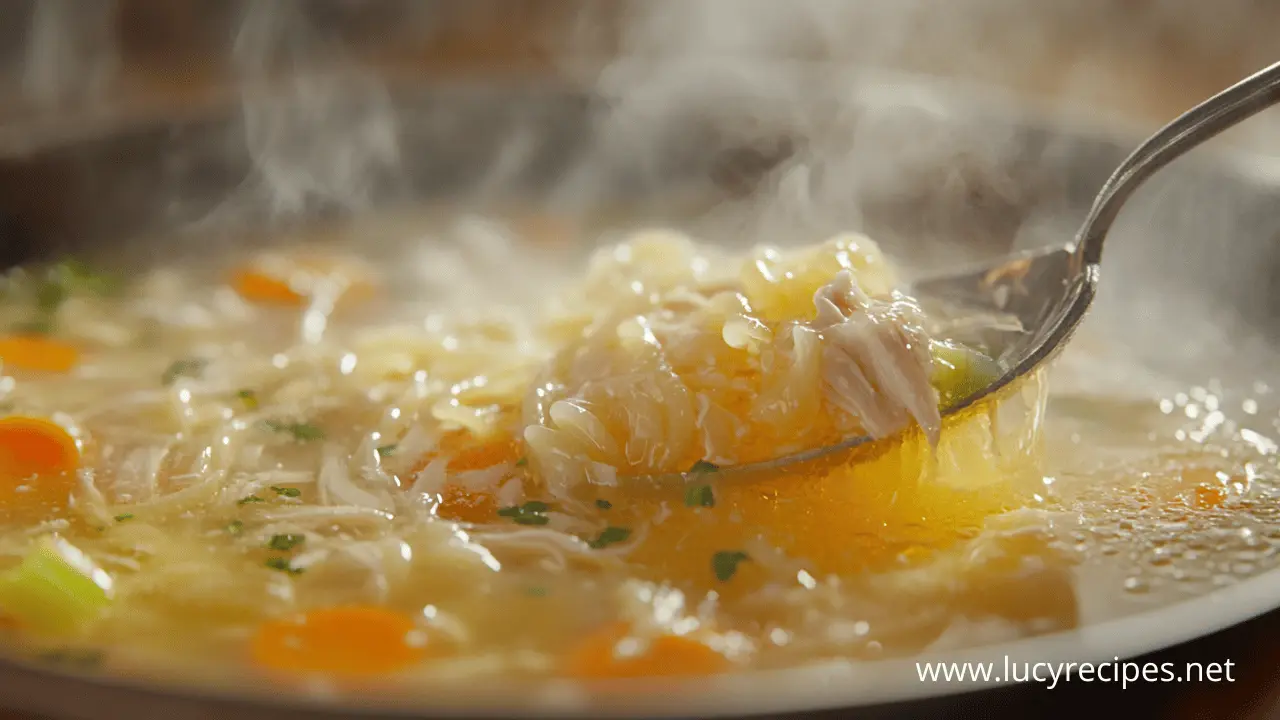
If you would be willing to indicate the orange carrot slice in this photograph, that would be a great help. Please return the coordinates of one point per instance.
(353, 641)
(467, 452)
(462, 505)
(37, 353)
(664, 656)
(259, 287)
(38, 461)
(291, 282)
(484, 455)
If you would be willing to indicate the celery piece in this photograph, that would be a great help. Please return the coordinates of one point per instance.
(959, 372)
(56, 589)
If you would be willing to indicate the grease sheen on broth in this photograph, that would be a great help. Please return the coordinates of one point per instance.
(291, 465)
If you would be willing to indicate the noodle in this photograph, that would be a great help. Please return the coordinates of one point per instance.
(286, 447)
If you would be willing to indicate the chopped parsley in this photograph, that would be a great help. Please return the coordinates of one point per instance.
(302, 432)
(287, 491)
(249, 499)
(522, 462)
(50, 295)
(702, 467)
(282, 564)
(235, 527)
(124, 516)
(699, 496)
(530, 513)
(249, 398)
(725, 563)
(387, 450)
(75, 276)
(285, 542)
(188, 368)
(604, 504)
(609, 536)
(49, 291)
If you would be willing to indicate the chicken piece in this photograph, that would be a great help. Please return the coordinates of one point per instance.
(876, 364)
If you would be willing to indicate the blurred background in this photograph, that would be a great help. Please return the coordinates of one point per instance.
(77, 61)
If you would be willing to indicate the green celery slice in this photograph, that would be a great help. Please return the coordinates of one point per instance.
(959, 372)
(56, 589)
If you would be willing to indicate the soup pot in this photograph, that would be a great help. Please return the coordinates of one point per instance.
(937, 173)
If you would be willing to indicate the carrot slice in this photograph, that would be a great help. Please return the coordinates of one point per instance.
(356, 641)
(484, 455)
(38, 460)
(291, 282)
(467, 453)
(664, 656)
(36, 353)
(462, 505)
(259, 287)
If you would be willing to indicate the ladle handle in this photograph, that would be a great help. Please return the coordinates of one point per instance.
(1197, 125)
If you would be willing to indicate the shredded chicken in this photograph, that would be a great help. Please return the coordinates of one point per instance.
(875, 359)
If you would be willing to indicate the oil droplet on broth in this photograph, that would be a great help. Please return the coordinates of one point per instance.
(1193, 507)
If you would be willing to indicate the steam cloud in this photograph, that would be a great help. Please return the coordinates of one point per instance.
(328, 135)
(689, 77)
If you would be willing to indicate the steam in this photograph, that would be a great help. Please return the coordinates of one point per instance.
(933, 178)
(70, 52)
(791, 90)
(777, 92)
(321, 131)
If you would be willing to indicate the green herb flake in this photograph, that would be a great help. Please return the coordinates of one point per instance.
(291, 492)
(75, 276)
(235, 527)
(703, 467)
(49, 291)
(387, 450)
(249, 398)
(531, 519)
(306, 433)
(188, 368)
(530, 513)
(285, 542)
(725, 563)
(699, 496)
(50, 295)
(249, 499)
(522, 462)
(282, 564)
(535, 592)
(609, 536)
(302, 432)
(124, 516)
(604, 504)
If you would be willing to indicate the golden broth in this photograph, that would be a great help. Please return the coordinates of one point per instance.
(306, 471)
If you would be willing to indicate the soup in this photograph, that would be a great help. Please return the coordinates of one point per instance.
(305, 464)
